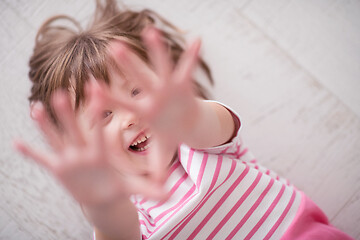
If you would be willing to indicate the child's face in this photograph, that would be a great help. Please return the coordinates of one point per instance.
(123, 129)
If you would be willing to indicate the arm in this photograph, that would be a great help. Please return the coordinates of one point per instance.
(110, 223)
(214, 126)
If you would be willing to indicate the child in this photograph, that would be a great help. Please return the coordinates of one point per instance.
(136, 144)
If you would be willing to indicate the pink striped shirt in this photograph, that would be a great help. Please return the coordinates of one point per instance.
(220, 193)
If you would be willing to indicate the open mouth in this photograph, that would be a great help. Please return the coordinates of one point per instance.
(141, 143)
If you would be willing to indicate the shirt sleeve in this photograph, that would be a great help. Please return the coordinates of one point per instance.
(234, 147)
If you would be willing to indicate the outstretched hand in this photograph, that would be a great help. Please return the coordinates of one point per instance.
(168, 100)
(83, 162)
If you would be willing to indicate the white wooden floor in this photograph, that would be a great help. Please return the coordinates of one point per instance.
(290, 68)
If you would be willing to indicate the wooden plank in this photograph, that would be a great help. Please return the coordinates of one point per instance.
(322, 36)
(345, 217)
(14, 231)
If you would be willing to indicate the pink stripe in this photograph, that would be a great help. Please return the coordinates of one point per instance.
(173, 167)
(188, 165)
(147, 218)
(239, 155)
(143, 200)
(236, 153)
(141, 209)
(266, 215)
(287, 182)
(202, 170)
(201, 204)
(216, 173)
(192, 189)
(237, 149)
(267, 172)
(251, 210)
(182, 200)
(224, 151)
(254, 160)
(235, 207)
(142, 222)
(283, 215)
(173, 189)
(218, 204)
(171, 171)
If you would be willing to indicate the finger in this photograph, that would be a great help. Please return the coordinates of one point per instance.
(66, 115)
(99, 94)
(119, 160)
(51, 133)
(98, 97)
(159, 157)
(131, 65)
(187, 63)
(96, 107)
(40, 157)
(158, 55)
(139, 106)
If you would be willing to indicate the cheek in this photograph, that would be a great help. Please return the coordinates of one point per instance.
(111, 138)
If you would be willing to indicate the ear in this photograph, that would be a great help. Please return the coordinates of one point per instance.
(34, 106)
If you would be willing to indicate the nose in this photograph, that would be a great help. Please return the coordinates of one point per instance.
(129, 119)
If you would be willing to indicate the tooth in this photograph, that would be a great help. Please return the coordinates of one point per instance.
(141, 139)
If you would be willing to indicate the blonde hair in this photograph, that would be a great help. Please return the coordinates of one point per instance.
(62, 53)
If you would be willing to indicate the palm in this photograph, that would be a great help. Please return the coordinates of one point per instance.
(168, 102)
(82, 162)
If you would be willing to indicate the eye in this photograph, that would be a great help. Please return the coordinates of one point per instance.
(135, 91)
(106, 114)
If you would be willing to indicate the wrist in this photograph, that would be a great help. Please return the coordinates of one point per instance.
(104, 206)
(109, 218)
